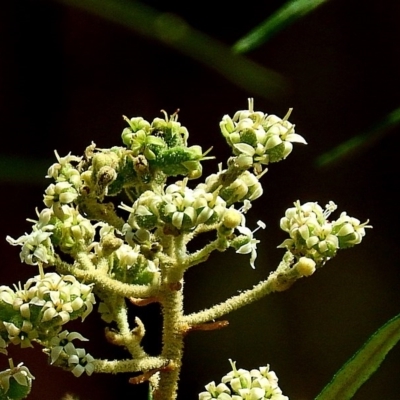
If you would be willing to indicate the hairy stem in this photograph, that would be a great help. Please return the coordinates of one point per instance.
(172, 303)
(276, 282)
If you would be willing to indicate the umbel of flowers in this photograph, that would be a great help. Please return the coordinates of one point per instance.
(257, 384)
(95, 249)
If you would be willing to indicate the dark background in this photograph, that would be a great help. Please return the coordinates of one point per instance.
(67, 76)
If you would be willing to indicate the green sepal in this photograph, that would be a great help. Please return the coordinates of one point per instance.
(170, 131)
(248, 136)
(240, 241)
(276, 153)
(15, 391)
(363, 364)
(35, 314)
(146, 221)
(7, 311)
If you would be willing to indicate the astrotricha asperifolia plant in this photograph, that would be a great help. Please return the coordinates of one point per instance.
(91, 251)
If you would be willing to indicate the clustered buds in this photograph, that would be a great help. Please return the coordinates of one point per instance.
(37, 310)
(313, 236)
(163, 143)
(259, 139)
(178, 208)
(246, 186)
(257, 384)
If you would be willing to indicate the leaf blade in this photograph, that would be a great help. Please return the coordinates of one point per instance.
(363, 364)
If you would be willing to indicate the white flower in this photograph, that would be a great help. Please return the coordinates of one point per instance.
(62, 192)
(258, 139)
(60, 296)
(80, 361)
(63, 163)
(127, 255)
(349, 230)
(221, 392)
(251, 245)
(59, 342)
(35, 247)
(22, 335)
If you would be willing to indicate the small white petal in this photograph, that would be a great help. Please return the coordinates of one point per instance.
(245, 148)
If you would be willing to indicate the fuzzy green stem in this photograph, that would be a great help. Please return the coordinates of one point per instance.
(84, 261)
(129, 339)
(106, 283)
(100, 211)
(172, 303)
(201, 255)
(275, 282)
(121, 366)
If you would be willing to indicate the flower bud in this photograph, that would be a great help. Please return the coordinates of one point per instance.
(305, 266)
(232, 218)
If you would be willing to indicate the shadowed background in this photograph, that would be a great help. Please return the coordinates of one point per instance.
(68, 73)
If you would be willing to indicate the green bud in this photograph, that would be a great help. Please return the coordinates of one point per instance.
(277, 153)
(249, 136)
(179, 160)
(137, 123)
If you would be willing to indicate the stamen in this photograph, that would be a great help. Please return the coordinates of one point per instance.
(251, 104)
(286, 117)
(165, 115)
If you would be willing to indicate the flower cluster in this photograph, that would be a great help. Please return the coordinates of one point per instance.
(37, 310)
(64, 171)
(143, 254)
(178, 208)
(313, 236)
(126, 261)
(163, 143)
(64, 227)
(259, 139)
(257, 384)
(246, 186)
(36, 247)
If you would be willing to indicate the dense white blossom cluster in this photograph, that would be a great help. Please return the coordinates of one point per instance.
(314, 236)
(259, 139)
(241, 384)
(41, 307)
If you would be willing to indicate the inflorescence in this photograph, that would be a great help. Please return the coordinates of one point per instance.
(138, 249)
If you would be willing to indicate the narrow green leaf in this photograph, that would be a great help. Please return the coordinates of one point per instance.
(286, 15)
(23, 170)
(363, 364)
(360, 142)
(173, 31)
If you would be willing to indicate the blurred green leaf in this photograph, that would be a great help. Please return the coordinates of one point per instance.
(363, 364)
(23, 170)
(286, 15)
(359, 142)
(173, 31)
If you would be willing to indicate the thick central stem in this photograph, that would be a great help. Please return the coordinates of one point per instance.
(172, 344)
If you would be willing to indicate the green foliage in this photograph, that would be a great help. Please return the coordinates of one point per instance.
(286, 15)
(363, 364)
